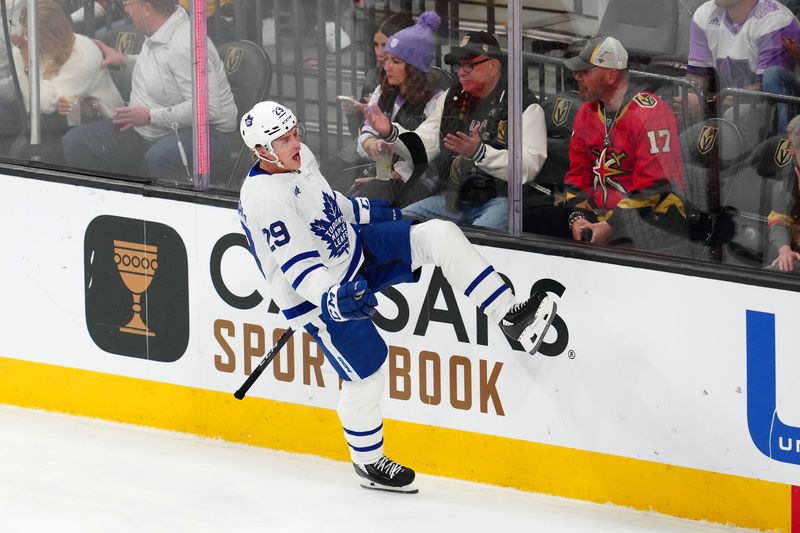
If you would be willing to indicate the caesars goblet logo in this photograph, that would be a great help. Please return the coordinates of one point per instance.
(137, 264)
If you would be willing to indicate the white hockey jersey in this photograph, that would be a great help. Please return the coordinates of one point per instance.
(303, 235)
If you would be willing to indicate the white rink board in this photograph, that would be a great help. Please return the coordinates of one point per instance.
(659, 369)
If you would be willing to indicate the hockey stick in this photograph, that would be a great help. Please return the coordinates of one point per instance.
(419, 158)
(239, 394)
(419, 161)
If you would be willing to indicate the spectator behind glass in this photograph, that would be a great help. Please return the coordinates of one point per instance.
(390, 25)
(733, 42)
(783, 217)
(407, 94)
(779, 80)
(10, 123)
(624, 158)
(71, 72)
(372, 78)
(468, 132)
(158, 121)
(349, 164)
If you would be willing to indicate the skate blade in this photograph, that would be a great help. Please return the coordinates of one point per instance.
(408, 489)
(533, 335)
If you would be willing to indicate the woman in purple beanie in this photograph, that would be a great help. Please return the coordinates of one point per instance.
(408, 93)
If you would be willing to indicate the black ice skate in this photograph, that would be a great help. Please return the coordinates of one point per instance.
(385, 474)
(527, 322)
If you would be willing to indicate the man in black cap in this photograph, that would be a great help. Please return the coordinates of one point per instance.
(468, 132)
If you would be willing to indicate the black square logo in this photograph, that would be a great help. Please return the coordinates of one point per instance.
(136, 288)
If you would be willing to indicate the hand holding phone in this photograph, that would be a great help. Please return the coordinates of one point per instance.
(347, 103)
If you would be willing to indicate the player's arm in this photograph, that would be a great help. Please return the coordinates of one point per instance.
(285, 238)
(301, 264)
(361, 210)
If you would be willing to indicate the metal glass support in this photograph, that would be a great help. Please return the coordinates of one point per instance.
(201, 160)
(33, 74)
(515, 117)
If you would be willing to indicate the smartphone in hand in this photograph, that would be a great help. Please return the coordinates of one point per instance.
(347, 103)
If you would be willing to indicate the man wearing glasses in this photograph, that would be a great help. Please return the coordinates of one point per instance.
(468, 131)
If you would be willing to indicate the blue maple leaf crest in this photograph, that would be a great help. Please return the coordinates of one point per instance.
(333, 228)
(248, 120)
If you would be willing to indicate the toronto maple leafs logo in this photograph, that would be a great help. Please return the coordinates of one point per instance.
(248, 120)
(333, 228)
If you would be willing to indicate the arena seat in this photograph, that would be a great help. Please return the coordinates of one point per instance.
(543, 211)
(128, 41)
(748, 196)
(644, 28)
(249, 72)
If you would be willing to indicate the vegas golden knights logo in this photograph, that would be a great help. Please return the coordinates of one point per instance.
(707, 140)
(561, 111)
(125, 42)
(233, 59)
(782, 156)
(502, 130)
(645, 100)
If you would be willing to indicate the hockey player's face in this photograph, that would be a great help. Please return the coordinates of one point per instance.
(395, 69)
(593, 82)
(287, 149)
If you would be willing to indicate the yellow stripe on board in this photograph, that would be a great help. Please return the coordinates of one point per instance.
(530, 466)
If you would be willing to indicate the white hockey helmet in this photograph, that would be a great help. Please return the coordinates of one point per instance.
(266, 122)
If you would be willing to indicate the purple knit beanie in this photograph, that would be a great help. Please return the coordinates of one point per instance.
(415, 45)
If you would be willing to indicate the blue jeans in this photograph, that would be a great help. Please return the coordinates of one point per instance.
(778, 80)
(492, 214)
(100, 146)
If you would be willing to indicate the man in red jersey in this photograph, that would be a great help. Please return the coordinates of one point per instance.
(625, 160)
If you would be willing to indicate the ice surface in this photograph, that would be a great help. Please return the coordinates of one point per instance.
(63, 474)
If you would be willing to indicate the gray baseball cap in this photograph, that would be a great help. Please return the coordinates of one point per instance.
(600, 51)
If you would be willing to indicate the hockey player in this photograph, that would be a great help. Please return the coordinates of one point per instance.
(326, 255)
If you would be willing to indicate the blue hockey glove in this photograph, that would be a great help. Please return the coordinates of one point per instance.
(379, 211)
(349, 301)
